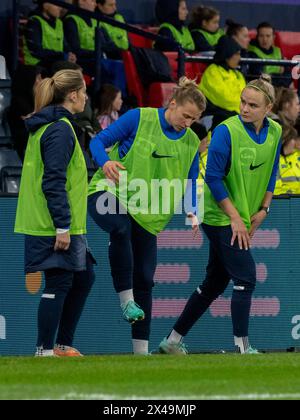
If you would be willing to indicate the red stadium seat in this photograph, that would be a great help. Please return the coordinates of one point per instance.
(156, 95)
(172, 56)
(139, 41)
(289, 42)
(252, 33)
(134, 84)
(192, 70)
(160, 94)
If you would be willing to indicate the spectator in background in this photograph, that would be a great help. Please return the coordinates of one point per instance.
(108, 104)
(263, 47)
(205, 28)
(51, 211)
(114, 39)
(80, 34)
(172, 15)
(288, 177)
(240, 34)
(286, 108)
(222, 83)
(44, 41)
(24, 81)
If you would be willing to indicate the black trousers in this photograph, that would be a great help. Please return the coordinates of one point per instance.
(133, 258)
(225, 262)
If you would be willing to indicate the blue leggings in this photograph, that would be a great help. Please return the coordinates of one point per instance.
(133, 257)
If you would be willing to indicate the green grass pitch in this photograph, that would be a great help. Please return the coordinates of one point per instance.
(206, 376)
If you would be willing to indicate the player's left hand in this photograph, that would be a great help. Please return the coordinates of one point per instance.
(256, 221)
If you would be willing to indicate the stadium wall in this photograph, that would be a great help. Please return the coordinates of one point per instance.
(284, 14)
(275, 321)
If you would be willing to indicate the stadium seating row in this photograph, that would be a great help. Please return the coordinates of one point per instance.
(288, 41)
(158, 93)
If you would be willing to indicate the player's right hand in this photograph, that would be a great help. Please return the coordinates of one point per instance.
(111, 170)
(240, 232)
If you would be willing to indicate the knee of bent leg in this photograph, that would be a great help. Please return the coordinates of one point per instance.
(244, 286)
(246, 282)
(210, 293)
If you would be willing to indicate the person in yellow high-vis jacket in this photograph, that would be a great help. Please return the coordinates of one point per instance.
(51, 211)
(288, 176)
(222, 82)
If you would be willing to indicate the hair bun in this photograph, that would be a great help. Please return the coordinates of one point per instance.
(184, 82)
(266, 78)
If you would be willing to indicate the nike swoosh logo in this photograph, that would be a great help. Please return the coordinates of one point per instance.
(252, 167)
(157, 156)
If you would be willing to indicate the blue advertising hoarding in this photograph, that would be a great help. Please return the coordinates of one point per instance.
(275, 311)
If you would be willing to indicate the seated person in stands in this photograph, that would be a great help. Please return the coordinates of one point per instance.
(44, 41)
(263, 47)
(205, 28)
(286, 108)
(240, 34)
(25, 79)
(114, 39)
(108, 104)
(288, 177)
(172, 14)
(80, 35)
(222, 83)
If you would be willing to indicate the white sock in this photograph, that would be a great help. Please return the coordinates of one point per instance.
(140, 346)
(44, 353)
(242, 343)
(125, 296)
(174, 337)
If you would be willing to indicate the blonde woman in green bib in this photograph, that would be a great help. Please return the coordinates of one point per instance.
(51, 211)
(240, 179)
(150, 146)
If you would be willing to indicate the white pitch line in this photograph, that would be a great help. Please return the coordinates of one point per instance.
(267, 396)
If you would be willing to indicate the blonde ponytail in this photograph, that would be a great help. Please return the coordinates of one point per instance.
(53, 91)
(43, 94)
